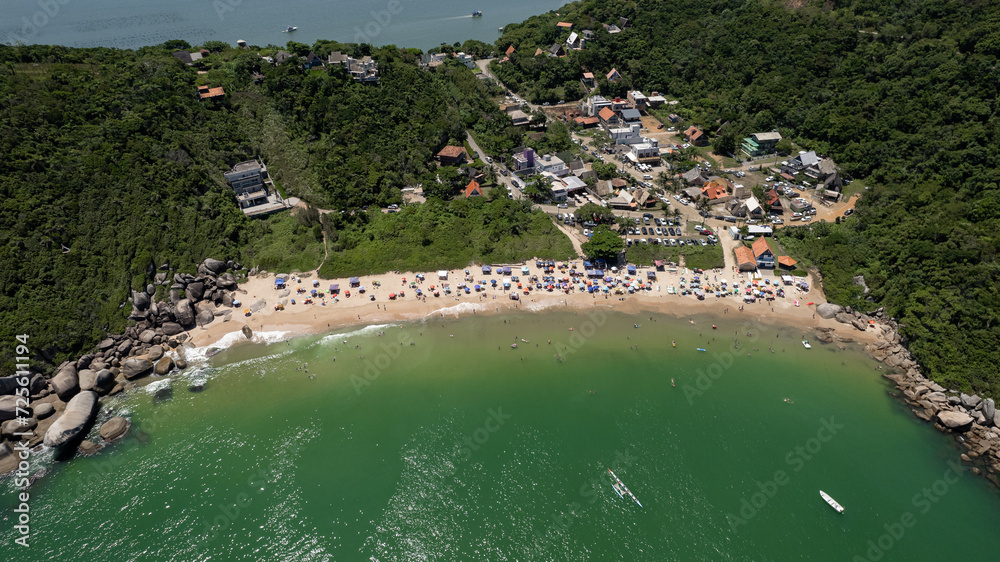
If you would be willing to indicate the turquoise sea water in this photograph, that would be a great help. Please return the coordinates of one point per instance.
(136, 23)
(460, 447)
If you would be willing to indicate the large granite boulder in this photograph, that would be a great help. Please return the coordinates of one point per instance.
(989, 408)
(10, 427)
(124, 347)
(140, 300)
(114, 428)
(8, 407)
(195, 291)
(844, 318)
(205, 317)
(163, 366)
(43, 410)
(226, 281)
(214, 266)
(78, 413)
(8, 385)
(154, 353)
(135, 367)
(105, 344)
(65, 384)
(996, 418)
(88, 379)
(37, 385)
(104, 382)
(227, 299)
(936, 397)
(970, 401)
(957, 421)
(829, 310)
(147, 336)
(171, 328)
(247, 331)
(184, 312)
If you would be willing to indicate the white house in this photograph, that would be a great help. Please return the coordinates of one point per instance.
(552, 164)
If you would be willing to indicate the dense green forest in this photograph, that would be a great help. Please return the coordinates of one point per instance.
(113, 168)
(903, 94)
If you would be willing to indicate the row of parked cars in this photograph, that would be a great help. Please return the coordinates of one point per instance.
(671, 241)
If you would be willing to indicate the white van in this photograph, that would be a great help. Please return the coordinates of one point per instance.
(647, 177)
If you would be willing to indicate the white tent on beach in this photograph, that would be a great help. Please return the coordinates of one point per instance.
(442, 274)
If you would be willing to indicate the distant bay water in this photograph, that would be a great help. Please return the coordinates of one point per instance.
(132, 24)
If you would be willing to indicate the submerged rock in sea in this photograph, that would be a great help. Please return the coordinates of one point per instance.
(114, 428)
(958, 421)
(77, 415)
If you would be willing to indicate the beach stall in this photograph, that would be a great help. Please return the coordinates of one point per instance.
(487, 270)
(660, 265)
(279, 283)
(506, 270)
(650, 275)
(334, 288)
(525, 270)
(442, 275)
(787, 279)
(630, 269)
(355, 282)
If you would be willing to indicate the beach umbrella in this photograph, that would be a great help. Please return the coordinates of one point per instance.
(313, 291)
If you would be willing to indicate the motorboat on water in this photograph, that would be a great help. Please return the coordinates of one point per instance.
(620, 487)
(805, 344)
(290, 29)
(477, 14)
(833, 503)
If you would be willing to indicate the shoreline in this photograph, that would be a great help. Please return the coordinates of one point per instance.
(360, 310)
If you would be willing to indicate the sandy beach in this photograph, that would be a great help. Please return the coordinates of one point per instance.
(259, 293)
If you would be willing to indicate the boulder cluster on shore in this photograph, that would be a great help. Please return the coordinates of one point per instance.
(64, 406)
(973, 420)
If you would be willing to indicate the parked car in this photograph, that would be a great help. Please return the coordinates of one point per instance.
(848, 212)
(562, 206)
(796, 215)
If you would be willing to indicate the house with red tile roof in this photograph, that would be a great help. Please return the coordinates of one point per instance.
(473, 189)
(613, 76)
(696, 136)
(786, 262)
(762, 253)
(608, 117)
(204, 92)
(744, 259)
(452, 155)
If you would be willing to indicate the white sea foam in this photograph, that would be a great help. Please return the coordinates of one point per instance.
(366, 331)
(459, 309)
(154, 387)
(543, 304)
(200, 355)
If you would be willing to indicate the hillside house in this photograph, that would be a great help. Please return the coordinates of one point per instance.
(253, 188)
(760, 144)
(638, 99)
(613, 76)
(696, 136)
(204, 92)
(473, 189)
(451, 155)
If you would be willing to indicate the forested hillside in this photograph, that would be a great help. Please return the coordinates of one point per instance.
(903, 94)
(113, 168)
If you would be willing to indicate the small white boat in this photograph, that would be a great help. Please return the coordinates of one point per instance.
(833, 503)
(290, 29)
(805, 344)
(477, 14)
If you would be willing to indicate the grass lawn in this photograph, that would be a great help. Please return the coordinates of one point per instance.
(704, 257)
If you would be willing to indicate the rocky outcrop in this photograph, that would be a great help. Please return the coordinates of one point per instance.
(154, 353)
(205, 317)
(163, 366)
(77, 415)
(88, 379)
(171, 328)
(8, 408)
(195, 291)
(213, 266)
(135, 367)
(184, 312)
(955, 421)
(147, 336)
(829, 310)
(989, 409)
(65, 384)
(226, 281)
(247, 331)
(140, 300)
(43, 410)
(970, 401)
(114, 428)
(104, 382)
